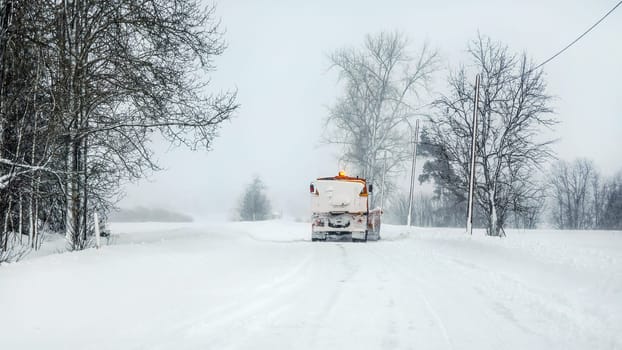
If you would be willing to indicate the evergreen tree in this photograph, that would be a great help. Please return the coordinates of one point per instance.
(254, 204)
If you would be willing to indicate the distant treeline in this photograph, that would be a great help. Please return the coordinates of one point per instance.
(574, 195)
(141, 214)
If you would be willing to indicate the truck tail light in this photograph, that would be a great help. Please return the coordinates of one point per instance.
(312, 188)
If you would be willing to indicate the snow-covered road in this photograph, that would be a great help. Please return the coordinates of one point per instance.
(266, 286)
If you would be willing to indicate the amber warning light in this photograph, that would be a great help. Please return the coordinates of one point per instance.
(342, 173)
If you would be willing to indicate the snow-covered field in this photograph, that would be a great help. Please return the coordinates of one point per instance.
(266, 286)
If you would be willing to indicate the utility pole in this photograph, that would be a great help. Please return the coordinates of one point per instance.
(473, 149)
(384, 171)
(411, 194)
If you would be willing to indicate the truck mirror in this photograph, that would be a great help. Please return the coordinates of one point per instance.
(371, 188)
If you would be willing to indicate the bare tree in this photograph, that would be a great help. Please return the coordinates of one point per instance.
(428, 210)
(600, 189)
(382, 83)
(578, 196)
(612, 217)
(526, 211)
(127, 69)
(26, 130)
(85, 84)
(513, 108)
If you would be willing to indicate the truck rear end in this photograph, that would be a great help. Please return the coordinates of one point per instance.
(340, 210)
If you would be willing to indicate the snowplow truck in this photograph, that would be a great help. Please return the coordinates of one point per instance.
(340, 210)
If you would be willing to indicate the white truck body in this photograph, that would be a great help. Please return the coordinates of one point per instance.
(340, 210)
(339, 196)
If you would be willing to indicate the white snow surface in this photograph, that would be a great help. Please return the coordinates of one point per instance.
(267, 286)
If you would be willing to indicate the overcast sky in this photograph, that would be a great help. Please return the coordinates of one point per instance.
(277, 61)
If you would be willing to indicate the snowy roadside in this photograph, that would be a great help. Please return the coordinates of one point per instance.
(265, 285)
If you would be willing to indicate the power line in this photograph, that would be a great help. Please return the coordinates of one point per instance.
(562, 50)
(579, 37)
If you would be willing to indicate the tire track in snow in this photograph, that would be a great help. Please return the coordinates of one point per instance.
(308, 316)
(482, 303)
(422, 295)
(279, 306)
(501, 288)
(332, 300)
(262, 300)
